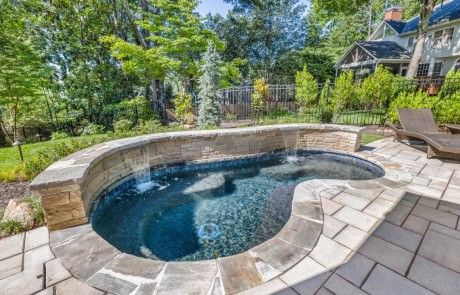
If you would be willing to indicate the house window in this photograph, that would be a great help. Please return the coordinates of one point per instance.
(410, 43)
(443, 38)
(437, 69)
(447, 37)
(422, 70)
(437, 39)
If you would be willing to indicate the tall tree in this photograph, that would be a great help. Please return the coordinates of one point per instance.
(210, 112)
(263, 32)
(20, 68)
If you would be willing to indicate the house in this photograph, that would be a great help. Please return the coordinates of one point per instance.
(392, 44)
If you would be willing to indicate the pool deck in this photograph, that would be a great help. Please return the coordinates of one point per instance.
(375, 240)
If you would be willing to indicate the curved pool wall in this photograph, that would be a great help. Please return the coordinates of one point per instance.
(70, 186)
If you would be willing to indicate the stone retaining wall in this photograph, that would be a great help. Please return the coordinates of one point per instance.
(70, 186)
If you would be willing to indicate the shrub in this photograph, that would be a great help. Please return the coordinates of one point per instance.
(450, 87)
(149, 127)
(123, 126)
(259, 98)
(37, 211)
(93, 129)
(184, 108)
(411, 100)
(306, 91)
(59, 135)
(378, 89)
(448, 109)
(11, 227)
(345, 92)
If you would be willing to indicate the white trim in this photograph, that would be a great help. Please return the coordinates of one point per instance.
(378, 28)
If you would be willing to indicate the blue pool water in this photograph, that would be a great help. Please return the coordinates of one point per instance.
(205, 211)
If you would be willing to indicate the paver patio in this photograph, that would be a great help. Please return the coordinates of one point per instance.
(393, 241)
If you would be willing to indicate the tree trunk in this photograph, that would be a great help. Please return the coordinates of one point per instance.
(426, 9)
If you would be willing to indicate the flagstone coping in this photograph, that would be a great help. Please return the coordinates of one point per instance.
(91, 259)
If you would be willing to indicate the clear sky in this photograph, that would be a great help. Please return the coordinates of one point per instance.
(218, 6)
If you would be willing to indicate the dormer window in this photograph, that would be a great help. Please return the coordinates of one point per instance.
(443, 38)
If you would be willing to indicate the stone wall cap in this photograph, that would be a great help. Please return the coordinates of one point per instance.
(73, 168)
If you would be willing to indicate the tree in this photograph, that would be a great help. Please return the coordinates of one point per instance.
(306, 91)
(345, 93)
(210, 112)
(157, 50)
(378, 89)
(426, 9)
(20, 69)
(262, 32)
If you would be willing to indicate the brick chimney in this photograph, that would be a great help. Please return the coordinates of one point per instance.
(394, 13)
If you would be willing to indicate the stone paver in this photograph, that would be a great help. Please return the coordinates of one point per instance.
(11, 246)
(356, 269)
(332, 226)
(27, 282)
(434, 277)
(351, 237)
(416, 224)
(383, 281)
(10, 266)
(73, 286)
(432, 214)
(329, 253)
(356, 218)
(387, 254)
(398, 236)
(339, 286)
(442, 249)
(38, 255)
(55, 272)
(36, 238)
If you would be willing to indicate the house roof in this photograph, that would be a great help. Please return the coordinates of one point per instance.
(398, 26)
(447, 11)
(385, 50)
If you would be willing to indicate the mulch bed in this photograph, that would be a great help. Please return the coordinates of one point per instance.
(13, 190)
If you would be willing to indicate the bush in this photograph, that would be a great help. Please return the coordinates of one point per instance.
(450, 87)
(448, 109)
(326, 116)
(149, 127)
(59, 135)
(184, 108)
(123, 126)
(306, 91)
(345, 92)
(93, 129)
(259, 98)
(411, 100)
(378, 89)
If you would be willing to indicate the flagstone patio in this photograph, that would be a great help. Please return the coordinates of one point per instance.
(375, 240)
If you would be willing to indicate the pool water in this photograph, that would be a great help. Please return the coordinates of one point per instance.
(205, 211)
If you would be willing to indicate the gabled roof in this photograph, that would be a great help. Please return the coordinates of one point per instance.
(398, 26)
(448, 11)
(379, 51)
(385, 50)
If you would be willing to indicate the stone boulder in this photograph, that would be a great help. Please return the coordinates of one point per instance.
(20, 211)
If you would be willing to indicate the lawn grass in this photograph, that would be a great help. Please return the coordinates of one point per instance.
(10, 163)
(368, 138)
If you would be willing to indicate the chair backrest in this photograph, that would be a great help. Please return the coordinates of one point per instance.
(418, 120)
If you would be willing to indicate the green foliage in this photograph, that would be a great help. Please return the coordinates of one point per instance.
(92, 129)
(210, 112)
(37, 211)
(44, 158)
(306, 91)
(450, 86)
(448, 109)
(59, 135)
(259, 98)
(123, 126)
(410, 100)
(345, 92)
(326, 104)
(184, 108)
(378, 89)
(149, 127)
(11, 227)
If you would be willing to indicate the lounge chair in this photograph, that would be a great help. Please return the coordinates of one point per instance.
(419, 124)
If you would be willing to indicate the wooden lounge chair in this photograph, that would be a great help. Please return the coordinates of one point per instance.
(419, 125)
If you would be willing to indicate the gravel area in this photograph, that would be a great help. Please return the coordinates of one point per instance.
(13, 190)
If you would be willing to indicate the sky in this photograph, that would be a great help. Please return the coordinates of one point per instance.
(218, 6)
